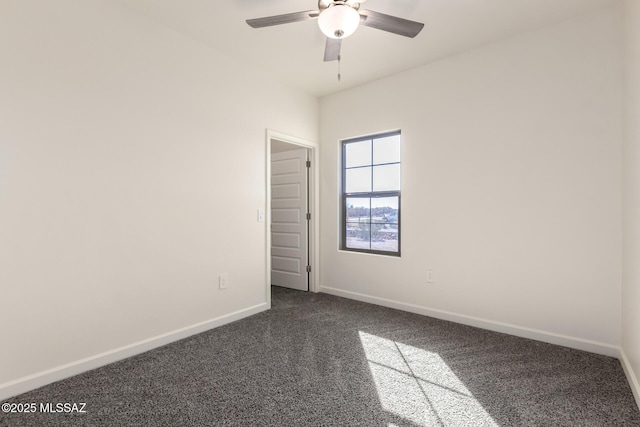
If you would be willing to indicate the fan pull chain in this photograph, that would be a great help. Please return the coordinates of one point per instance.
(339, 77)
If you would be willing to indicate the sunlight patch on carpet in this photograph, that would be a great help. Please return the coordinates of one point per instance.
(418, 386)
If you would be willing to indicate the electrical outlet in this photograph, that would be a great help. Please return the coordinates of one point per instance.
(429, 276)
(223, 281)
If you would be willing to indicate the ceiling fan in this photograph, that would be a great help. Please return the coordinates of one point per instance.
(339, 19)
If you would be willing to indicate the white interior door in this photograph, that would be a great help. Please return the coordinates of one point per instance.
(289, 224)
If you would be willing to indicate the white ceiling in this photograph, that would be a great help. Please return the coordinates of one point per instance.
(294, 52)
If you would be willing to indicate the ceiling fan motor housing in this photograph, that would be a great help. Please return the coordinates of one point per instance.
(324, 4)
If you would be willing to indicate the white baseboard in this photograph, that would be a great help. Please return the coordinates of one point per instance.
(631, 376)
(519, 331)
(31, 382)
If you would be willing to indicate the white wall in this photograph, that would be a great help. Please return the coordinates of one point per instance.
(511, 185)
(132, 165)
(631, 195)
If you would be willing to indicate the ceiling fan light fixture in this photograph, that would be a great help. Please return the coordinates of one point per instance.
(339, 21)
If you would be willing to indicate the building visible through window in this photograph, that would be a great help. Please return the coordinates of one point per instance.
(370, 220)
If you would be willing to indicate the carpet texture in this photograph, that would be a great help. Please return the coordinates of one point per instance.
(321, 360)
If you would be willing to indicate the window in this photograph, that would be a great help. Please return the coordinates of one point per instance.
(371, 194)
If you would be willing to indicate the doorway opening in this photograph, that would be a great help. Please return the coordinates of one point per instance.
(292, 217)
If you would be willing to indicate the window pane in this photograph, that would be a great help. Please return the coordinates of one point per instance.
(371, 194)
(358, 180)
(386, 150)
(358, 154)
(386, 178)
(384, 210)
(358, 236)
(384, 237)
(358, 209)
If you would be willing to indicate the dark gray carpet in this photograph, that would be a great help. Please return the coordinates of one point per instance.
(316, 359)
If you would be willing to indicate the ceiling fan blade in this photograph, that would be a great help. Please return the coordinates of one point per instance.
(332, 49)
(391, 24)
(282, 19)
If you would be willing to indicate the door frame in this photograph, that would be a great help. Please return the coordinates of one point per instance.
(314, 204)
